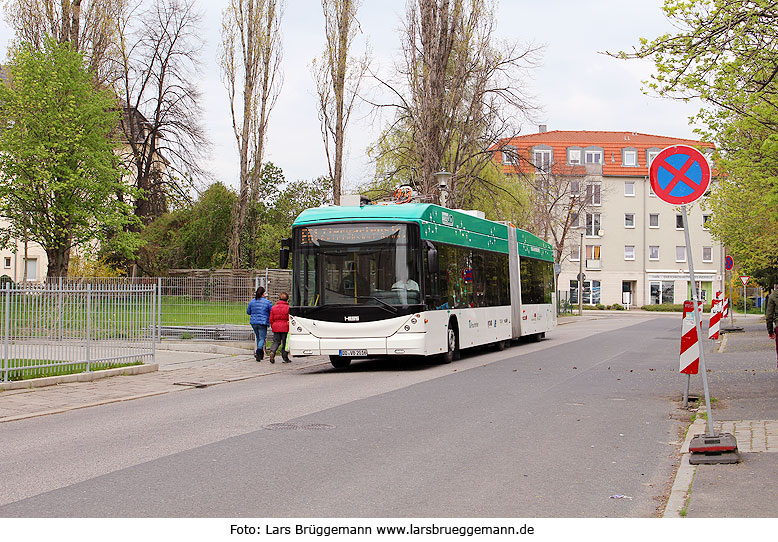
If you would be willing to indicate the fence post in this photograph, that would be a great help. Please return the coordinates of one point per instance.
(7, 333)
(155, 299)
(88, 325)
(159, 309)
(59, 310)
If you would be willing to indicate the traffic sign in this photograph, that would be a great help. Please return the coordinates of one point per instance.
(679, 174)
(729, 263)
(744, 279)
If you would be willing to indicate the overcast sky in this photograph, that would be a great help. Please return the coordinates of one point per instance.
(577, 87)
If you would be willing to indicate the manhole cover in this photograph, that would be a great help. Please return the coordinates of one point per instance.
(299, 427)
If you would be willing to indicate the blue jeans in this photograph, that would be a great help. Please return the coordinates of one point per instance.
(260, 332)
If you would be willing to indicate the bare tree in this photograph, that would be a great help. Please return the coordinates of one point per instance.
(562, 197)
(463, 93)
(157, 70)
(88, 24)
(252, 27)
(338, 77)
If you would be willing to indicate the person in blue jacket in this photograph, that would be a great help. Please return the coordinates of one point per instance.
(259, 310)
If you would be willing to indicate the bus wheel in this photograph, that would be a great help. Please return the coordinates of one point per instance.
(452, 341)
(500, 345)
(537, 337)
(340, 362)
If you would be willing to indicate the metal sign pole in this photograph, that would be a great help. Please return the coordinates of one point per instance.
(731, 308)
(697, 309)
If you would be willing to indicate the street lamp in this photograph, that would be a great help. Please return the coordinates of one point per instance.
(443, 177)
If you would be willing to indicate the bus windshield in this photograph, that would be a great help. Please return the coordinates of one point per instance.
(368, 263)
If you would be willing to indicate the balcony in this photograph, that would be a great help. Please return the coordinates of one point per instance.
(593, 264)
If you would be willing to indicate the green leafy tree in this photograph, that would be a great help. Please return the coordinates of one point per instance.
(271, 217)
(198, 235)
(58, 171)
(195, 236)
(725, 53)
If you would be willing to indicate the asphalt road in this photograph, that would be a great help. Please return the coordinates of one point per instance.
(549, 429)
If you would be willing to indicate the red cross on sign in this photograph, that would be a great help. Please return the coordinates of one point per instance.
(679, 174)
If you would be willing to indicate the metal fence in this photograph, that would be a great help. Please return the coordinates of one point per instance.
(202, 304)
(60, 328)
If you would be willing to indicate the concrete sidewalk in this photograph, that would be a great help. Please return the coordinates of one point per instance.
(743, 384)
(180, 366)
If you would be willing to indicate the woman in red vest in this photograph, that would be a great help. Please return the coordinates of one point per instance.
(279, 323)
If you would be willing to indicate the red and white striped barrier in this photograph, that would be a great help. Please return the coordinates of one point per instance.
(690, 354)
(715, 317)
(725, 308)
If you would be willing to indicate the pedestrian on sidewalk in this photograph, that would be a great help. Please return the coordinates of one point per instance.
(259, 310)
(771, 316)
(279, 323)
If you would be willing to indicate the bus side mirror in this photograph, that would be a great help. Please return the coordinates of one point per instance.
(283, 257)
(432, 258)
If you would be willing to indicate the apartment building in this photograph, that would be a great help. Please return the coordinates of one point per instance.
(628, 243)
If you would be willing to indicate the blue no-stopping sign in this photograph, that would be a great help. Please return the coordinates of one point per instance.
(679, 174)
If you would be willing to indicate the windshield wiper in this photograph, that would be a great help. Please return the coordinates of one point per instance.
(381, 301)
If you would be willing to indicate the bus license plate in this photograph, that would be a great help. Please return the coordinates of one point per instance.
(351, 353)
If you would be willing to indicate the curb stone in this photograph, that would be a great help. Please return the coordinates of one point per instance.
(78, 377)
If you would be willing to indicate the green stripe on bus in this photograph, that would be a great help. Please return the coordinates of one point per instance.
(436, 224)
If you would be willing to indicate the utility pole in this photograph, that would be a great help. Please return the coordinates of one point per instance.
(580, 276)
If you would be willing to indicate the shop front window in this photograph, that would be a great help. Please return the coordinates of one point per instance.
(662, 292)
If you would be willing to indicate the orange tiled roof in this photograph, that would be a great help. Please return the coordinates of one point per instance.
(611, 143)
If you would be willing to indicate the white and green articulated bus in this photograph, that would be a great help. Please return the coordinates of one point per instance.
(413, 279)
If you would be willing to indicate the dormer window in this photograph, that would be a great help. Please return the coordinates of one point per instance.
(542, 160)
(510, 155)
(630, 158)
(593, 157)
(574, 156)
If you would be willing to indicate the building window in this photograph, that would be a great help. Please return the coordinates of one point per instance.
(678, 222)
(705, 221)
(707, 254)
(662, 292)
(629, 220)
(7, 262)
(593, 224)
(593, 157)
(575, 188)
(575, 220)
(593, 260)
(574, 156)
(591, 292)
(631, 158)
(653, 252)
(651, 155)
(680, 253)
(510, 155)
(594, 193)
(651, 191)
(575, 253)
(629, 188)
(629, 252)
(653, 220)
(542, 160)
(31, 265)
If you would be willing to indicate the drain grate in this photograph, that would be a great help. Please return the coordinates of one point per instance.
(299, 427)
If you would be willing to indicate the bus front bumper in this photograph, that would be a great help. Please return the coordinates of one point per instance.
(412, 344)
